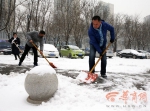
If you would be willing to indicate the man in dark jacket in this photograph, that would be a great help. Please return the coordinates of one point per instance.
(98, 39)
(15, 42)
(33, 37)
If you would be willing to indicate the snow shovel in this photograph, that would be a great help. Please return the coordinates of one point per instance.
(91, 77)
(50, 63)
(18, 47)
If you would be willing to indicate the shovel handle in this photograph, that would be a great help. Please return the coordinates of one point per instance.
(40, 52)
(100, 57)
(18, 47)
(50, 63)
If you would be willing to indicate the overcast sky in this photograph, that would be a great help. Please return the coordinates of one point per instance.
(131, 7)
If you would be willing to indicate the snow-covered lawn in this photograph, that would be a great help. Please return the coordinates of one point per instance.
(129, 86)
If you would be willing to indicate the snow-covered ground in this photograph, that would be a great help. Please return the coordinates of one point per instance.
(127, 88)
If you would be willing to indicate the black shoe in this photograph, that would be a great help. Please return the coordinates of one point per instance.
(104, 76)
(35, 65)
(19, 64)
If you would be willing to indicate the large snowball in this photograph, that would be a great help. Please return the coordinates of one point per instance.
(41, 83)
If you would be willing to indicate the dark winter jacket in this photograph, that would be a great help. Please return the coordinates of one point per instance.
(95, 36)
(15, 49)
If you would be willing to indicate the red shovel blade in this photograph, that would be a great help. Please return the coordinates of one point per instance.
(52, 65)
(91, 77)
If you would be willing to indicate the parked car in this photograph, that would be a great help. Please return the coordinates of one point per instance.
(130, 53)
(49, 50)
(109, 53)
(118, 52)
(146, 53)
(72, 51)
(86, 51)
(5, 47)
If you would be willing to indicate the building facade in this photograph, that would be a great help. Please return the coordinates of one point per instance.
(111, 8)
(65, 6)
(7, 16)
(147, 19)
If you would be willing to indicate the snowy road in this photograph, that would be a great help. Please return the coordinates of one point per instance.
(115, 80)
(127, 77)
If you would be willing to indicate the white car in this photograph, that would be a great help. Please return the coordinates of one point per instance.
(146, 53)
(49, 50)
(131, 53)
(109, 53)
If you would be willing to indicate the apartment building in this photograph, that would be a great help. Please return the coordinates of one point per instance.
(147, 19)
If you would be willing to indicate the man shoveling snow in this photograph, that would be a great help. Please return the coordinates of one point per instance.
(98, 38)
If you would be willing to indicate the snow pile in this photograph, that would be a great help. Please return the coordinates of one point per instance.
(69, 97)
(83, 77)
(42, 69)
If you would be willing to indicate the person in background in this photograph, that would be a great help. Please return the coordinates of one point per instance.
(33, 37)
(15, 42)
(98, 39)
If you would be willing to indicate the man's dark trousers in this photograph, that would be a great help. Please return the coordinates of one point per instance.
(92, 60)
(27, 48)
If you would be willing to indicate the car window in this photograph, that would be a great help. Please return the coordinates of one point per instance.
(134, 52)
(67, 47)
(125, 51)
(49, 47)
(64, 47)
(142, 51)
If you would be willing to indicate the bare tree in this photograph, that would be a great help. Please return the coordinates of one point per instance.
(136, 31)
(145, 36)
(128, 26)
(36, 13)
(132, 29)
(86, 12)
(9, 13)
(78, 26)
(117, 22)
(19, 19)
(102, 10)
(45, 9)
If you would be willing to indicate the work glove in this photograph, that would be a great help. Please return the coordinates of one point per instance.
(17, 45)
(14, 39)
(111, 41)
(31, 41)
(41, 52)
(100, 54)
